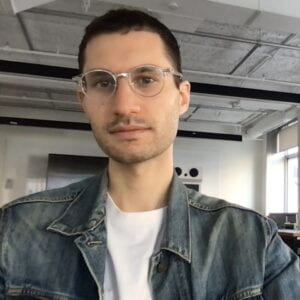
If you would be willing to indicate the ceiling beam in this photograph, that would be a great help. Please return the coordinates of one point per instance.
(48, 75)
(38, 57)
(270, 122)
(270, 55)
(37, 82)
(87, 127)
(239, 39)
(43, 113)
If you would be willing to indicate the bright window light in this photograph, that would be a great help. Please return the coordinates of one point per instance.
(292, 184)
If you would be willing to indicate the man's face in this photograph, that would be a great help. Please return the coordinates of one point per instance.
(128, 127)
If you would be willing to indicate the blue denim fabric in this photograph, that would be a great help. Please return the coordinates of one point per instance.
(53, 246)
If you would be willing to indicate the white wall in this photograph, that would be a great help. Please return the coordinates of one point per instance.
(25, 155)
(230, 170)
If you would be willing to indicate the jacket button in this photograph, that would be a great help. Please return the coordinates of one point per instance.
(162, 268)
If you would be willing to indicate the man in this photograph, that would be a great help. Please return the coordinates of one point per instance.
(135, 231)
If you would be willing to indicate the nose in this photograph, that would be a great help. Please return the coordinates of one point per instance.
(124, 101)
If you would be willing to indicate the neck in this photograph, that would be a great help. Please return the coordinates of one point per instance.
(142, 186)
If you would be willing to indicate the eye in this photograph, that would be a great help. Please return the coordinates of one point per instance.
(144, 80)
(100, 81)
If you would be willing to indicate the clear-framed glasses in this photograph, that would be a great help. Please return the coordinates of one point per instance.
(144, 80)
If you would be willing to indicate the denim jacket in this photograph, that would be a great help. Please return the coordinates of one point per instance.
(53, 246)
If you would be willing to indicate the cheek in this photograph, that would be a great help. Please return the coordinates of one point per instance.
(94, 112)
(168, 114)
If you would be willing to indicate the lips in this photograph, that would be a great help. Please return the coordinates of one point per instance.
(128, 132)
(126, 128)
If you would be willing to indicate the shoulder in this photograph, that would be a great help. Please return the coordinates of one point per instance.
(42, 207)
(228, 214)
(59, 195)
(35, 212)
(210, 204)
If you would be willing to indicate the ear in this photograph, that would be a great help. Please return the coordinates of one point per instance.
(80, 98)
(184, 96)
(82, 101)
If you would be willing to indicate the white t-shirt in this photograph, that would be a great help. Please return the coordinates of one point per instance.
(132, 237)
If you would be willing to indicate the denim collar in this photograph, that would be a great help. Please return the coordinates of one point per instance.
(87, 211)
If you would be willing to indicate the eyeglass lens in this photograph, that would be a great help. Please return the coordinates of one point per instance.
(145, 80)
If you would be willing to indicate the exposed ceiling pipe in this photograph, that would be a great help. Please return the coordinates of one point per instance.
(288, 83)
(271, 122)
(209, 126)
(42, 114)
(38, 57)
(271, 55)
(214, 107)
(38, 100)
(261, 62)
(253, 118)
(212, 122)
(35, 52)
(244, 58)
(238, 39)
(36, 81)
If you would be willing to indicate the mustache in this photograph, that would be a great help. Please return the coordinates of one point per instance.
(122, 121)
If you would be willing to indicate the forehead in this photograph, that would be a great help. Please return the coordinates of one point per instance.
(122, 51)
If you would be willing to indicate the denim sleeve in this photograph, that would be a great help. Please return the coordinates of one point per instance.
(2, 280)
(282, 268)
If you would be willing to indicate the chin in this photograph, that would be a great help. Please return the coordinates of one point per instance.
(135, 153)
(130, 159)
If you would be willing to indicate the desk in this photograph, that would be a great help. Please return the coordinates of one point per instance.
(291, 238)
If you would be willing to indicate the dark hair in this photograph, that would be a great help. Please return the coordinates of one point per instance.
(125, 20)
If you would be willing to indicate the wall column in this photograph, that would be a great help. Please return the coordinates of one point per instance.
(298, 143)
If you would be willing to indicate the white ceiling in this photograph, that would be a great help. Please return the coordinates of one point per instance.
(249, 47)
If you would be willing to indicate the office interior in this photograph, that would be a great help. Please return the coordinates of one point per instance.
(238, 141)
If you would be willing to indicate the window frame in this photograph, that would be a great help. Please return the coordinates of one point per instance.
(286, 159)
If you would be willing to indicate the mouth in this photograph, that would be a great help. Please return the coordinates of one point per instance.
(128, 132)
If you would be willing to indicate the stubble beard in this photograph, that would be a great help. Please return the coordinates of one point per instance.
(132, 152)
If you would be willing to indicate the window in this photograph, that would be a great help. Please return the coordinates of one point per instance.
(282, 195)
(282, 182)
(291, 186)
